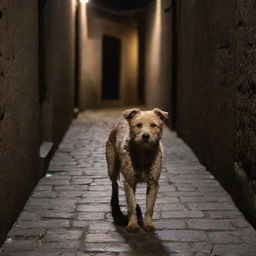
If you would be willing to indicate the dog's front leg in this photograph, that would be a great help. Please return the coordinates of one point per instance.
(152, 190)
(131, 206)
(129, 187)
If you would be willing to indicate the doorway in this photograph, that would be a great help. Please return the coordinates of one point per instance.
(111, 52)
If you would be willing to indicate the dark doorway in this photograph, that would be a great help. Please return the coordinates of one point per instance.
(111, 50)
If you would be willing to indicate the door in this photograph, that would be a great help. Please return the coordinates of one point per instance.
(111, 50)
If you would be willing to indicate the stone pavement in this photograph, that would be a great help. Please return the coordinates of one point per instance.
(68, 213)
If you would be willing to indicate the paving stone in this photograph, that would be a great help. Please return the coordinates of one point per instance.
(228, 237)
(60, 181)
(210, 224)
(69, 211)
(170, 224)
(81, 181)
(93, 208)
(234, 250)
(167, 200)
(60, 235)
(212, 206)
(188, 247)
(101, 226)
(44, 188)
(44, 194)
(71, 187)
(26, 232)
(182, 235)
(101, 238)
(44, 224)
(170, 207)
(108, 247)
(183, 214)
(90, 216)
(225, 214)
(58, 215)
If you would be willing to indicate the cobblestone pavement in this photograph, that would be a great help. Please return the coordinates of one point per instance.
(68, 213)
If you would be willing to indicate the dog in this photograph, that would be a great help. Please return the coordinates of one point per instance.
(134, 150)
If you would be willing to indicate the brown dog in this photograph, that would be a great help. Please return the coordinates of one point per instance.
(134, 149)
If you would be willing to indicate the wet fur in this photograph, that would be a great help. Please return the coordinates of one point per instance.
(134, 150)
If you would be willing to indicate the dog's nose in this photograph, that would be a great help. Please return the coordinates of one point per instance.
(145, 136)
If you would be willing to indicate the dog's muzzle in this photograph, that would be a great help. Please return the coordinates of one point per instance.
(145, 137)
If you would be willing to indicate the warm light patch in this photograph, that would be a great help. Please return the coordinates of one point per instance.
(84, 1)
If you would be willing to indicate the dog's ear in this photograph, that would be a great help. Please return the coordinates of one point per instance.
(161, 114)
(130, 113)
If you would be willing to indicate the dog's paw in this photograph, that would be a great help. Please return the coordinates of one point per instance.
(133, 227)
(149, 228)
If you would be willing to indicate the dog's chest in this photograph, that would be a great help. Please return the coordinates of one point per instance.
(143, 169)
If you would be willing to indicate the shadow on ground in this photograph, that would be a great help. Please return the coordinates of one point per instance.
(143, 243)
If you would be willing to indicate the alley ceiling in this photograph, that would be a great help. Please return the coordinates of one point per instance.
(123, 4)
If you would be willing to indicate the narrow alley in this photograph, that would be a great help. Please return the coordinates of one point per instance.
(68, 213)
(68, 68)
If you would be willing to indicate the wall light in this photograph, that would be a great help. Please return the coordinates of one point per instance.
(84, 1)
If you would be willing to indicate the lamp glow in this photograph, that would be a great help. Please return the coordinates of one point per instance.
(84, 1)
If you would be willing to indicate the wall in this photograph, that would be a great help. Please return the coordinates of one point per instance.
(245, 157)
(37, 54)
(19, 107)
(205, 91)
(59, 61)
(157, 57)
(215, 91)
(94, 24)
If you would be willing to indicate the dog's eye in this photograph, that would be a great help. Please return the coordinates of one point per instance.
(139, 125)
(153, 125)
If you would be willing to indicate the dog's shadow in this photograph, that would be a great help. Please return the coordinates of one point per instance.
(142, 243)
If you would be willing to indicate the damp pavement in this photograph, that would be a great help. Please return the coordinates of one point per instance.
(68, 213)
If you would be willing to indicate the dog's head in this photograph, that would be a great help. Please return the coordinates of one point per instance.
(145, 126)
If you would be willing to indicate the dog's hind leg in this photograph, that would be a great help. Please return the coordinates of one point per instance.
(113, 172)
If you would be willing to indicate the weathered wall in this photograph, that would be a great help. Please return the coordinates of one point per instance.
(94, 24)
(23, 122)
(19, 107)
(216, 91)
(205, 91)
(245, 167)
(157, 57)
(59, 54)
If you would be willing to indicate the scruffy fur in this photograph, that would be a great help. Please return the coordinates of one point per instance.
(134, 149)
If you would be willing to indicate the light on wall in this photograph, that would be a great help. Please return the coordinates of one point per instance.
(84, 1)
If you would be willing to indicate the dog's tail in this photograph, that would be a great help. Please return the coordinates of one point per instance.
(118, 216)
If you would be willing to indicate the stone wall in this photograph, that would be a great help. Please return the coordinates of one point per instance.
(205, 90)
(32, 111)
(245, 157)
(19, 107)
(216, 91)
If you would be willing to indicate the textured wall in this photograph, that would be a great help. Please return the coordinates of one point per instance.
(216, 91)
(94, 24)
(205, 90)
(19, 107)
(157, 57)
(59, 53)
(246, 107)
